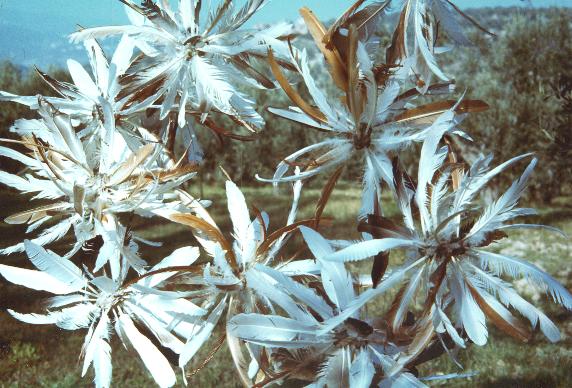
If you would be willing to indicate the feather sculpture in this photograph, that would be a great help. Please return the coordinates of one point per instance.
(371, 123)
(349, 350)
(85, 194)
(120, 142)
(193, 57)
(91, 303)
(454, 270)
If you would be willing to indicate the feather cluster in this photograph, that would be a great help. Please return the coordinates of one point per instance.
(107, 148)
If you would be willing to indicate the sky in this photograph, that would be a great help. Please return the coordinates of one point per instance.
(34, 31)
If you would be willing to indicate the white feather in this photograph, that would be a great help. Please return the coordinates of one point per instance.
(514, 267)
(304, 294)
(366, 249)
(510, 298)
(171, 304)
(285, 165)
(99, 65)
(388, 283)
(60, 301)
(145, 33)
(447, 18)
(153, 359)
(337, 368)
(62, 129)
(187, 14)
(199, 337)
(270, 329)
(422, 43)
(53, 233)
(82, 79)
(470, 314)
(319, 98)
(448, 326)
(371, 187)
(157, 327)
(299, 117)
(35, 319)
(263, 285)
(19, 157)
(57, 267)
(180, 257)
(337, 283)
(36, 280)
(502, 209)
(17, 183)
(119, 63)
(238, 211)
(76, 317)
(98, 352)
(430, 161)
(318, 245)
(362, 370)
(408, 295)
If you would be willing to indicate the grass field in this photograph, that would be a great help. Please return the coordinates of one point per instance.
(48, 357)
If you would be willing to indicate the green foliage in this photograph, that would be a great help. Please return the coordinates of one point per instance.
(516, 74)
(22, 352)
(23, 82)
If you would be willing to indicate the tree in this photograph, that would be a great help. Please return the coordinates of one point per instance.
(532, 52)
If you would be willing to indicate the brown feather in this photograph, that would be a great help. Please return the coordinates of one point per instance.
(397, 50)
(424, 331)
(392, 312)
(364, 20)
(78, 197)
(436, 279)
(426, 114)
(272, 237)
(218, 15)
(342, 20)
(240, 62)
(434, 88)
(260, 219)
(318, 31)
(33, 215)
(209, 230)
(210, 124)
(168, 175)
(513, 328)
(125, 169)
(457, 173)
(381, 260)
(47, 161)
(56, 85)
(326, 193)
(143, 93)
(283, 63)
(294, 96)
(367, 15)
(380, 263)
(353, 89)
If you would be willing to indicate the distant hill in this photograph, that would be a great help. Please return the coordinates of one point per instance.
(45, 48)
